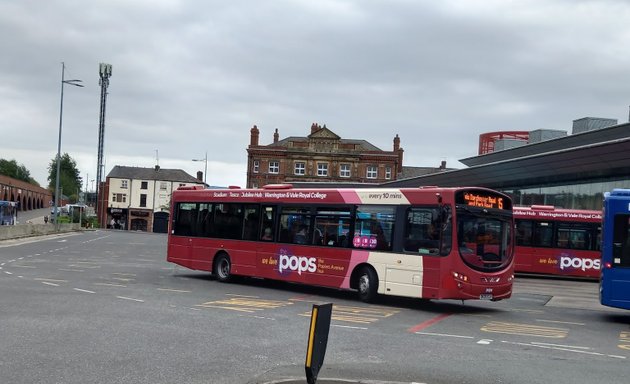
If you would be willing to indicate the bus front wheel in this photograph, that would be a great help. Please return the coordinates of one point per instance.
(367, 284)
(222, 266)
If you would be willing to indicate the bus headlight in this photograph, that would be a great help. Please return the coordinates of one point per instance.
(460, 277)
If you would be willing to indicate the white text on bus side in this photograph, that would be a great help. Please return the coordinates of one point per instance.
(577, 263)
(299, 264)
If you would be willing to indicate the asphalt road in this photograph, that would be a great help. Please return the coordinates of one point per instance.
(105, 307)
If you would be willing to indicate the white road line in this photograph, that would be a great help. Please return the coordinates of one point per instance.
(8, 273)
(349, 326)
(443, 334)
(560, 345)
(559, 322)
(260, 317)
(47, 283)
(83, 290)
(111, 285)
(130, 298)
(45, 279)
(555, 348)
(484, 341)
(173, 290)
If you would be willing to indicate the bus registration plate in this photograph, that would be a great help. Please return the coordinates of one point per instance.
(485, 296)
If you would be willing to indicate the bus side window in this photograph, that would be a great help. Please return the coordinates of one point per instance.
(524, 232)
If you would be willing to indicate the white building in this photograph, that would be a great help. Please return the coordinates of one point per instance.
(139, 198)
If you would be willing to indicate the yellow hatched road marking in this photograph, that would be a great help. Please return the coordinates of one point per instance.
(361, 315)
(245, 304)
(624, 337)
(354, 319)
(525, 329)
(371, 311)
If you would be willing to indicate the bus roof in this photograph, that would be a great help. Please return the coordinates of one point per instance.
(387, 196)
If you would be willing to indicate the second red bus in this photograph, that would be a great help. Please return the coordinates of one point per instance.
(557, 241)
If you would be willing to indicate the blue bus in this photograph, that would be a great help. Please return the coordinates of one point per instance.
(614, 284)
(8, 212)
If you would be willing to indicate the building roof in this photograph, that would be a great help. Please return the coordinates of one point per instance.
(6, 180)
(592, 161)
(579, 139)
(408, 171)
(327, 134)
(157, 173)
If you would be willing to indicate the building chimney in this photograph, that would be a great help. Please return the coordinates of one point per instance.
(199, 175)
(275, 136)
(315, 128)
(400, 153)
(157, 167)
(443, 165)
(253, 137)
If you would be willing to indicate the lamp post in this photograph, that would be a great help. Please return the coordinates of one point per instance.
(76, 83)
(205, 170)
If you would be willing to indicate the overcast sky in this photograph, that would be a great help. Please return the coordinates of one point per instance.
(195, 76)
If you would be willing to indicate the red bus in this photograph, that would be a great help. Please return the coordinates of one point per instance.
(430, 242)
(556, 241)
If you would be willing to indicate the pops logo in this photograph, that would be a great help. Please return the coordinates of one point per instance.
(297, 263)
(577, 263)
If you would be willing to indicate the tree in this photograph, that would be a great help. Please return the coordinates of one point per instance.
(69, 180)
(17, 171)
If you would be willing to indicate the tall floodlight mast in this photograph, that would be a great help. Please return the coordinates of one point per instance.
(104, 71)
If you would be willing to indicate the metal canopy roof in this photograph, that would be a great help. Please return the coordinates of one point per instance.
(592, 161)
(616, 132)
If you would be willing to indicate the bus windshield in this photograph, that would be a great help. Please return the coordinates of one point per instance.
(485, 241)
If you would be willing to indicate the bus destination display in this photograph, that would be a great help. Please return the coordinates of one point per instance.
(481, 200)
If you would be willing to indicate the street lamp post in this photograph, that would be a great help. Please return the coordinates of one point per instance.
(205, 170)
(76, 83)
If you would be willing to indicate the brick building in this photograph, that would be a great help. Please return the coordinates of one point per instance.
(27, 195)
(322, 156)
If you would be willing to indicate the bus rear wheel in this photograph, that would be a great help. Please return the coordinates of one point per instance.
(222, 267)
(367, 284)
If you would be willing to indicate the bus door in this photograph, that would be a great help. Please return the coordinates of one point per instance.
(180, 241)
(616, 271)
(422, 235)
(534, 247)
(266, 246)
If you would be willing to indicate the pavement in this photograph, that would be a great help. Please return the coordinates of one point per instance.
(35, 216)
